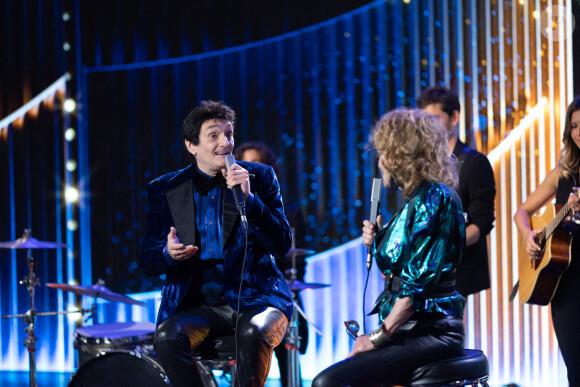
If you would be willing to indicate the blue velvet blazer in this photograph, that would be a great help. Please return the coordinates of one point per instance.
(171, 203)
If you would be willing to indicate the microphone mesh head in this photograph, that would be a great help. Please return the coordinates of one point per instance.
(230, 160)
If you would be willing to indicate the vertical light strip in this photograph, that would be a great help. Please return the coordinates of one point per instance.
(416, 47)
(513, 254)
(489, 76)
(13, 356)
(516, 60)
(535, 353)
(502, 74)
(474, 67)
(431, 41)
(552, 147)
(569, 56)
(446, 54)
(506, 218)
(460, 62)
(494, 358)
(539, 85)
(505, 223)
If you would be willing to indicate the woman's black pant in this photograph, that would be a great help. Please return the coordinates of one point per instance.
(429, 340)
(565, 316)
(259, 331)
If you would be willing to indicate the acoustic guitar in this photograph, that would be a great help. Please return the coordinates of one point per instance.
(539, 278)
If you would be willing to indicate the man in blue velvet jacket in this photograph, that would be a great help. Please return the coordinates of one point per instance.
(195, 237)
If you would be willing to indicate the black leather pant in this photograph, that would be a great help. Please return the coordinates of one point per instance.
(565, 315)
(259, 331)
(428, 341)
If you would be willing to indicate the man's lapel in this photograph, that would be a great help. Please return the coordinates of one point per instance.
(230, 216)
(181, 204)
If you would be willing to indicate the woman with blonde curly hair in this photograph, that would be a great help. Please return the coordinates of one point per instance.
(420, 311)
(561, 182)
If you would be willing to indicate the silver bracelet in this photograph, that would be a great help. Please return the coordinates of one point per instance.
(378, 338)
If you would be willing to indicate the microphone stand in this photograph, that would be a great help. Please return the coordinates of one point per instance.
(293, 338)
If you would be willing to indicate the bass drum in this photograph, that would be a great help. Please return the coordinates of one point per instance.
(120, 369)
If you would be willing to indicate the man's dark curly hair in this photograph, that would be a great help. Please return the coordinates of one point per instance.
(268, 156)
(439, 94)
(207, 110)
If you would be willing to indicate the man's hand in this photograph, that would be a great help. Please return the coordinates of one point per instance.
(237, 175)
(177, 250)
(362, 344)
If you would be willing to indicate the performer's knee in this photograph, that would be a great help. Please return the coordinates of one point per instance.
(175, 333)
(268, 326)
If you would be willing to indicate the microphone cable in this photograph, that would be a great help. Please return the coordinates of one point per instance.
(363, 303)
(239, 298)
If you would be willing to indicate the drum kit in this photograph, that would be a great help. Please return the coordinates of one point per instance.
(292, 339)
(127, 347)
(88, 340)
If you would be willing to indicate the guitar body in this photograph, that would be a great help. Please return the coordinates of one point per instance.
(539, 279)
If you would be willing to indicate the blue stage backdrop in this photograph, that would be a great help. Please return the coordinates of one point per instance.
(311, 94)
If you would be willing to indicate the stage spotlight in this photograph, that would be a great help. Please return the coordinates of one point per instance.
(71, 194)
(71, 165)
(72, 225)
(70, 105)
(73, 315)
(70, 134)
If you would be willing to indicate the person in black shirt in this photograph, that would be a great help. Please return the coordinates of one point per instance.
(476, 190)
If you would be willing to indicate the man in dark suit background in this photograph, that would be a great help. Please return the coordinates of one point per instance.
(476, 189)
(195, 237)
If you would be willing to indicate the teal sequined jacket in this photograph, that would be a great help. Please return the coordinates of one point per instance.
(423, 244)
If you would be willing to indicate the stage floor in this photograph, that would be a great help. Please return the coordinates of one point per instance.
(57, 379)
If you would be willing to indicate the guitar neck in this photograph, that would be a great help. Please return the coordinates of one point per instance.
(558, 219)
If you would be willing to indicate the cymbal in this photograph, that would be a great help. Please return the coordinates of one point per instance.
(296, 251)
(296, 285)
(30, 243)
(97, 290)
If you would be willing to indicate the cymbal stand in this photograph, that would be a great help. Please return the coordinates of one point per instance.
(30, 281)
(292, 336)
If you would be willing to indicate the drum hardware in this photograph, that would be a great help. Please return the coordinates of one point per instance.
(30, 281)
(296, 285)
(92, 340)
(98, 290)
(292, 339)
(120, 368)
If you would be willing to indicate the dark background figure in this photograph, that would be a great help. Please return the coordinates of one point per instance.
(476, 190)
(195, 237)
(258, 152)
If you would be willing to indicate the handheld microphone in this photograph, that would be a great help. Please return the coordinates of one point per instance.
(238, 195)
(375, 198)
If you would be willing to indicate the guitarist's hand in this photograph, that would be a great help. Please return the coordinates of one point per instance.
(574, 202)
(532, 247)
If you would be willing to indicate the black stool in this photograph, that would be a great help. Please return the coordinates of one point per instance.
(470, 369)
(216, 354)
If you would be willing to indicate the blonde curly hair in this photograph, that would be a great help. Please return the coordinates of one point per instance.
(412, 146)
